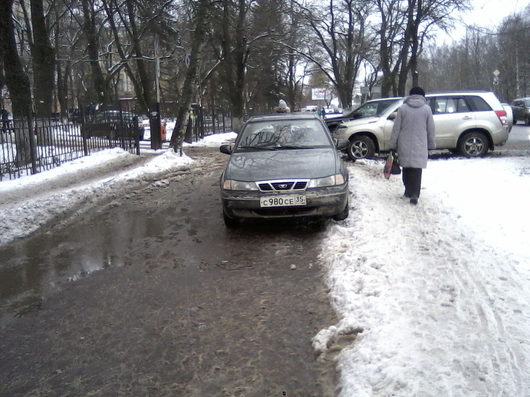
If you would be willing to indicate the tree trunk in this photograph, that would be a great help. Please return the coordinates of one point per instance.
(43, 62)
(146, 90)
(16, 80)
(235, 58)
(191, 74)
(99, 95)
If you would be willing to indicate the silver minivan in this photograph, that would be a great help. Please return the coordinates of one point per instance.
(470, 123)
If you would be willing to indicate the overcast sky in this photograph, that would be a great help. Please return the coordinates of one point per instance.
(491, 13)
(486, 13)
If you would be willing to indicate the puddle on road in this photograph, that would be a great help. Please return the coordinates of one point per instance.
(32, 268)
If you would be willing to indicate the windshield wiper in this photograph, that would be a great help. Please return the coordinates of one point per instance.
(258, 147)
(290, 147)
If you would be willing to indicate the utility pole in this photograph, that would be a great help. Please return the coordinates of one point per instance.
(154, 114)
(517, 84)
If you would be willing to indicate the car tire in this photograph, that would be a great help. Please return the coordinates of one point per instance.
(528, 120)
(230, 223)
(360, 147)
(473, 144)
(342, 215)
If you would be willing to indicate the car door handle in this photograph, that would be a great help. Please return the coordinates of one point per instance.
(467, 118)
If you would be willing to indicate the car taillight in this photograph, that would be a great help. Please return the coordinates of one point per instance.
(502, 115)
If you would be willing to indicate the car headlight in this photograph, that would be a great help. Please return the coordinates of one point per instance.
(337, 179)
(230, 184)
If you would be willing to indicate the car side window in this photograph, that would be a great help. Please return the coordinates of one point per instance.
(442, 105)
(462, 105)
(368, 110)
(477, 104)
(437, 105)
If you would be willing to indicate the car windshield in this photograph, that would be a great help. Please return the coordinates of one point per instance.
(373, 109)
(283, 134)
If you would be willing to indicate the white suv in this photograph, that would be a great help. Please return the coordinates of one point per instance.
(470, 123)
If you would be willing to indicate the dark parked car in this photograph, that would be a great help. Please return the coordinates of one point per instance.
(284, 166)
(113, 124)
(373, 108)
(521, 110)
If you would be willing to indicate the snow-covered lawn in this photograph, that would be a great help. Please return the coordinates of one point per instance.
(441, 290)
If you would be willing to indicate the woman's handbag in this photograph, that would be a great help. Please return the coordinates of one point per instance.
(391, 165)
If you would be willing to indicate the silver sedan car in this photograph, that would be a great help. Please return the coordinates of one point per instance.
(284, 166)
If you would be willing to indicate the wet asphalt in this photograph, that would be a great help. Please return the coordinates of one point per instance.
(150, 295)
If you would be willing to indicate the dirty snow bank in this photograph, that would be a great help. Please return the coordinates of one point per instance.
(441, 290)
(30, 202)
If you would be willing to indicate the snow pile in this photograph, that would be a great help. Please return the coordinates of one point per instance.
(68, 172)
(441, 290)
(27, 203)
(213, 140)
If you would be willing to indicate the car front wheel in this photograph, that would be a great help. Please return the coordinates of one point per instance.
(342, 215)
(473, 144)
(361, 147)
(230, 223)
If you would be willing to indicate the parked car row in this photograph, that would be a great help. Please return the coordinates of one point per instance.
(288, 165)
(470, 123)
(113, 124)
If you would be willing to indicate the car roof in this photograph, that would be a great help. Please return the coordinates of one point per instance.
(382, 99)
(284, 116)
(458, 92)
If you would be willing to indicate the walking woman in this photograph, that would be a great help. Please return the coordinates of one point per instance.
(412, 137)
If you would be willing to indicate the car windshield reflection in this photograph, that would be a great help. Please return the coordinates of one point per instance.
(283, 134)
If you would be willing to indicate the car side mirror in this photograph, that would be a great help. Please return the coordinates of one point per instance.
(392, 116)
(226, 149)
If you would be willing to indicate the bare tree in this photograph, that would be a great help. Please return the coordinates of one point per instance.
(340, 30)
(17, 81)
(43, 57)
(200, 19)
(89, 24)
(514, 61)
(403, 30)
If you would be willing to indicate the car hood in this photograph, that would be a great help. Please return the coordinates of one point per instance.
(361, 121)
(282, 164)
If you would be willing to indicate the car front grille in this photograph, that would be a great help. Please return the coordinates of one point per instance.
(284, 185)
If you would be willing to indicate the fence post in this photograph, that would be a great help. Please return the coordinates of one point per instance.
(32, 147)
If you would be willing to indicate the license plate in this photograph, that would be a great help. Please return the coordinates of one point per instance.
(283, 201)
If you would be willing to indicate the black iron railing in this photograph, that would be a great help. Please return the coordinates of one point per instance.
(32, 145)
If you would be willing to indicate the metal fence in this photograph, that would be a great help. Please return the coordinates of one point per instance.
(202, 125)
(29, 146)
